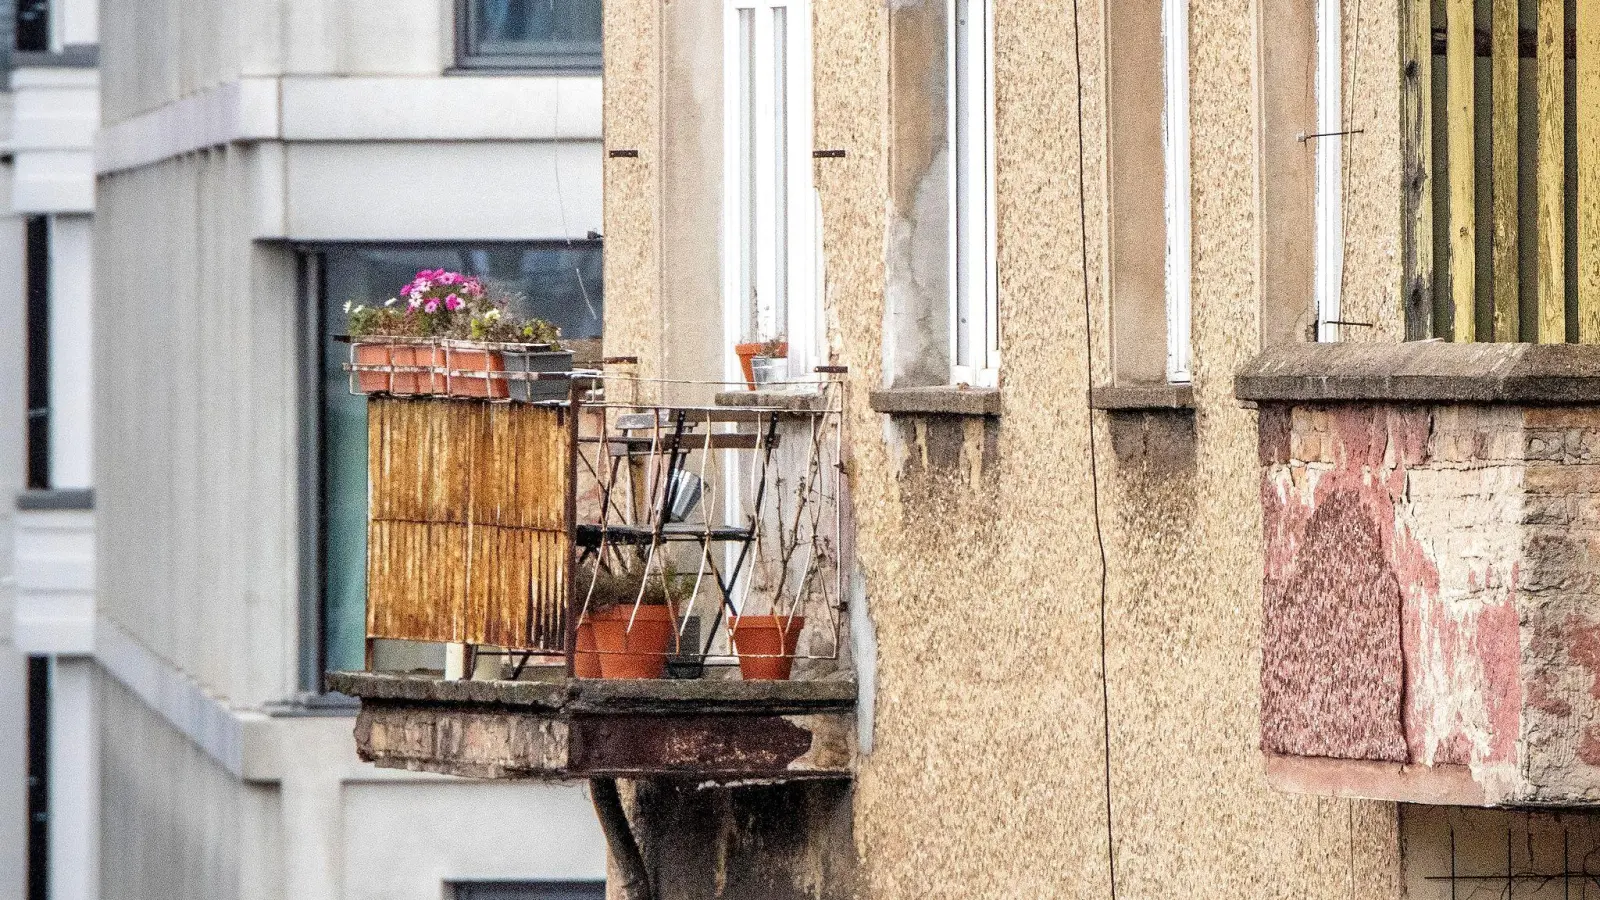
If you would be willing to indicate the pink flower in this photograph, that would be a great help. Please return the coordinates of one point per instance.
(472, 287)
(453, 303)
(431, 306)
(449, 278)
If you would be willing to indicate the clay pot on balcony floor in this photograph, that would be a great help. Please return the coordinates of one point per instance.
(637, 653)
(586, 662)
(766, 645)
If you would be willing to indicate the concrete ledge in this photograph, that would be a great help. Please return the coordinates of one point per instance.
(599, 696)
(1361, 779)
(936, 401)
(40, 501)
(1135, 397)
(1424, 372)
(577, 728)
(810, 401)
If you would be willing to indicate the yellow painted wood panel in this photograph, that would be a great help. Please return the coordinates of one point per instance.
(1459, 88)
(1504, 64)
(1552, 264)
(1588, 125)
(468, 539)
(1416, 147)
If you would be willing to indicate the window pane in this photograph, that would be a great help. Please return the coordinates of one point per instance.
(965, 189)
(559, 283)
(747, 172)
(564, 31)
(780, 174)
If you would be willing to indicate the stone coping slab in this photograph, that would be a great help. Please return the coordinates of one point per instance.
(600, 696)
(1425, 372)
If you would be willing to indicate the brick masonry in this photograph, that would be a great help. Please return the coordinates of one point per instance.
(1429, 591)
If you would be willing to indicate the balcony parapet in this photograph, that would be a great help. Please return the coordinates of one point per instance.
(1431, 589)
(562, 728)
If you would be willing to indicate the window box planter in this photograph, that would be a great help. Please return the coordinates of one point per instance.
(469, 369)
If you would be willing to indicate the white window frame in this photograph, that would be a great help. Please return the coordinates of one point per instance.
(781, 154)
(1329, 240)
(1176, 131)
(974, 282)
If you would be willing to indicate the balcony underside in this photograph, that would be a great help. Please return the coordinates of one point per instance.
(576, 728)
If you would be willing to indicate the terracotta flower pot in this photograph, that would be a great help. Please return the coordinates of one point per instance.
(748, 352)
(477, 359)
(766, 645)
(586, 662)
(637, 653)
(372, 355)
(380, 352)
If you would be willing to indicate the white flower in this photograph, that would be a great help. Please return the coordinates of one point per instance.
(391, 301)
(347, 306)
(492, 315)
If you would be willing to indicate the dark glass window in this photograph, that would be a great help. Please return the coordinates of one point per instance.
(38, 777)
(558, 282)
(36, 254)
(539, 34)
(33, 26)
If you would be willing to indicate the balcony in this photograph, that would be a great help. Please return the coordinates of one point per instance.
(1431, 593)
(54, 573)
(628, 577)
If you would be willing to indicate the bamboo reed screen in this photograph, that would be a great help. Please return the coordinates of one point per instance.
(469, 538)
(1500, 131)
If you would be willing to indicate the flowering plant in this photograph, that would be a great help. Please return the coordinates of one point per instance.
(441, 303)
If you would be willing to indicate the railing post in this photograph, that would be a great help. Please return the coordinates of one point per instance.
(1416, 147)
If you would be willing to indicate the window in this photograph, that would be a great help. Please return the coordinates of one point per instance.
(769, 261)
(1329, 150)
(36, 255)
(529, 890)
(559, 282)
(1149, 190)
(974, 331)
(32, 23)
(38, 769)
(1175, 40)
(529, 34)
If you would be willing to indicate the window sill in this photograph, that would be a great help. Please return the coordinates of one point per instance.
(788, 401)
(509, 69)
(1146, 397)
(944, 400)
(55, 500)
(1424, 372)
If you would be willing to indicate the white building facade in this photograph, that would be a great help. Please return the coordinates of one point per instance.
(250, 166)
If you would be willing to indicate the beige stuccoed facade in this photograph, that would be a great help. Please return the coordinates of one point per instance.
(1066, 603)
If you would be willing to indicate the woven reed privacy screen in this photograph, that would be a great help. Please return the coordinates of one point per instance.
(1500, 131)
(469, 537)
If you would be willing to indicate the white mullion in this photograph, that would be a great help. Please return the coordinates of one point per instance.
(1175, 36)
(1329, 203)
(804, 297)
(973, 213)
(988, 332)
(766, 236)
(732, 313)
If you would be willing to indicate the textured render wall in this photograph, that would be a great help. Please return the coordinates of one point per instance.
(976, 539)
(196, 450)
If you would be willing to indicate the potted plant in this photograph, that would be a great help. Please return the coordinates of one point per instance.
(630, 625)
(453, 327)
(748, 353)
(765, 645)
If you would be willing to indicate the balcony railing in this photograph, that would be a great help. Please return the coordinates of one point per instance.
(1500, 131)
